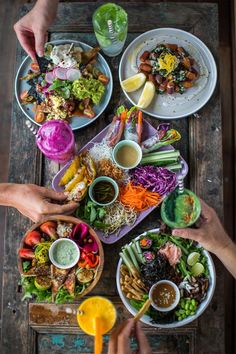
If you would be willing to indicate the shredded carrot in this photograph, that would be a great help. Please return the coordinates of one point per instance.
(138, 197)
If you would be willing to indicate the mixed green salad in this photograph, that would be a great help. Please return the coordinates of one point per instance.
(64, 83)
(156, 256)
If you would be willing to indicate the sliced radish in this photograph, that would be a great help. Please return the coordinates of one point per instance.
(49, 77)
(60, 73)
(73, 74)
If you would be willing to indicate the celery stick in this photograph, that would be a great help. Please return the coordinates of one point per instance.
(132, 256)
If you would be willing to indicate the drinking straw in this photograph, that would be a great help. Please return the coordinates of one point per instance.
(111, 29)
(143, 309)
(98, 336)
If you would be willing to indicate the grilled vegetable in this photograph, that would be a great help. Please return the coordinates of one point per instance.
(85, 275)
(42, 282)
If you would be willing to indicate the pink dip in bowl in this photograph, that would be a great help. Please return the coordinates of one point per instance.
(56, 141)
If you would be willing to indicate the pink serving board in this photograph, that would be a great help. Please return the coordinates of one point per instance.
(148, 130)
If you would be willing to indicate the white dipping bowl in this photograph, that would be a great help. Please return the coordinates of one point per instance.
(177, 296)
(53, 247)
(127, 143)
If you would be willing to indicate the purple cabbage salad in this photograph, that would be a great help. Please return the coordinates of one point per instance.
(155, 179)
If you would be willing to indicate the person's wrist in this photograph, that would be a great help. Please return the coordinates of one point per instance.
(8, 194)
(48, 12)
(224, 247)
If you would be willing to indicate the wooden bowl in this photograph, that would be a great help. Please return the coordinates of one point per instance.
(73, 220)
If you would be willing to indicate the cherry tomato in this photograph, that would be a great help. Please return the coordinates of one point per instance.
(34, 66)
(39, 117)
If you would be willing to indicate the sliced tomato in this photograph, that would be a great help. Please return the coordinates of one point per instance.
(34, 66)
(26, 253)
(42, 283)
(39, 117)
(33, 238)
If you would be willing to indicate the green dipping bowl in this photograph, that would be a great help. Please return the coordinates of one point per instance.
(103, 179)
(180, 210)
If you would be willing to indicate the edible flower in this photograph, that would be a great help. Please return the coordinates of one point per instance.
(145, 242)
(80, 234)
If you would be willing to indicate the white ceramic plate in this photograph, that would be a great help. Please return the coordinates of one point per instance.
(201, 308)
(76, 122)
(176, 105)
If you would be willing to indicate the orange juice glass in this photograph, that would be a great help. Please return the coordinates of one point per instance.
(96, 307)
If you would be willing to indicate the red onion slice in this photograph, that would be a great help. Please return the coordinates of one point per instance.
(60, 73)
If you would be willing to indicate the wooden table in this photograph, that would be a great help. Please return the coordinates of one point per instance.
(46, 328)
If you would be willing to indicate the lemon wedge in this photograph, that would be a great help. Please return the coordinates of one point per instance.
(147, 95)
(133, 83)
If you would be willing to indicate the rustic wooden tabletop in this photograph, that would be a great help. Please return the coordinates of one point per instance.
(43, 328)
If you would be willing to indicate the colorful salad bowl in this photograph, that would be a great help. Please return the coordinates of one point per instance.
(41, 279)
(154, 256)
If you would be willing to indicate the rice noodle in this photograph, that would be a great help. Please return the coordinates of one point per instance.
(100, 151)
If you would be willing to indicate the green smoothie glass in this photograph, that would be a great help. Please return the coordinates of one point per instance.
(180, 210)
(110, 23)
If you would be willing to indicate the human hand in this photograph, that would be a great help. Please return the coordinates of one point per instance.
(38, 202)
(119, 339)
(210, 232)
(31, 30)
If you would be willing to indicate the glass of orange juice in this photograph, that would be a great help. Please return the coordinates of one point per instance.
(96, 316)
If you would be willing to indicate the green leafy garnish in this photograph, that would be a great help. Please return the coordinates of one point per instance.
(31, 291)
(61, 87)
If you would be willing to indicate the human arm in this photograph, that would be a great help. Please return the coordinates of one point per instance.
(31, 30)
(33, 201)
(119, 342)
(212, 236)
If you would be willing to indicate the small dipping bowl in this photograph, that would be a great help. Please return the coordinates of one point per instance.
(106, 180)
(65, 248)
(168, 291)
(127, 148)
(180, 210)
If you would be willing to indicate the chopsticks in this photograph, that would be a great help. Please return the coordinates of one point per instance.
(142, 311)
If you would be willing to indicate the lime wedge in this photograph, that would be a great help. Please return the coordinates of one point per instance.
(197, 269)
(133, 83)
(193, 258)
(147, 95)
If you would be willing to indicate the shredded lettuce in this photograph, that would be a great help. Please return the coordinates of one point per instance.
(88, 88)
(31, 291)
(63, 296)
(120, 110)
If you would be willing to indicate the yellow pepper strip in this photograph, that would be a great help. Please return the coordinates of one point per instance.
(76, 180)
(70, 172)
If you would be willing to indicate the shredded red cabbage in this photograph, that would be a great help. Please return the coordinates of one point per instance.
(155, 179)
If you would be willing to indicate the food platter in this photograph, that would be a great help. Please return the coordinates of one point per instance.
(76, 122)
(47, 282)
(173, 106)
(201, 305)
(148, 130)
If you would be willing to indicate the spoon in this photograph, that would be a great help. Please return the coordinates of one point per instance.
(31, 127)
(98, 336)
